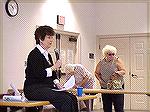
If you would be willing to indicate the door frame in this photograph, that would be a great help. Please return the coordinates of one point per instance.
(76, 35)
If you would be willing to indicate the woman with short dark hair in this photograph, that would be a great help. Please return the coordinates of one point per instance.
(41, 76)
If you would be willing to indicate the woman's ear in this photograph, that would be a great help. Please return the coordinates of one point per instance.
(41, 41)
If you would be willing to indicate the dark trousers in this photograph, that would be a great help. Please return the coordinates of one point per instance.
(63, 101)
(116, 99)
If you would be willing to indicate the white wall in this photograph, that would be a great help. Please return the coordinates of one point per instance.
(99, 18)
(88, 19)
(86, 16)
(18, 35)
(121, 18)
(1, 48)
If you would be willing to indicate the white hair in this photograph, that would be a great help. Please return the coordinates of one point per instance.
(109, 49)
(69, 68)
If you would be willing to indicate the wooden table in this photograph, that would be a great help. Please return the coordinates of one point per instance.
(22, 104)
(42, 103)
(114, 91)
(86, 97)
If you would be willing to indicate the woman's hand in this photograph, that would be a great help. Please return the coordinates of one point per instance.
(57, 64)
(120, 72)
(101, 82)
(60, 86)
(75, 86)
(114, 76)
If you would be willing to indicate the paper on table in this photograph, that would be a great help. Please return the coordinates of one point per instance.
(17, 96)
(17, 93)
(12, 98)
(68, 85)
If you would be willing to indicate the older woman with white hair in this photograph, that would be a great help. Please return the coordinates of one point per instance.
(83, 77)
(109, 72)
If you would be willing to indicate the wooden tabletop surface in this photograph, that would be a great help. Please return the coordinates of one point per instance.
(23, 104)
(112, 91)
(115, 91)
(86, 97)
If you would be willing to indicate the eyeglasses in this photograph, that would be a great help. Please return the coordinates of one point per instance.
(110, 54)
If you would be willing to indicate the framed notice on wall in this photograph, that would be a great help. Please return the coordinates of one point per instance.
(60, 20)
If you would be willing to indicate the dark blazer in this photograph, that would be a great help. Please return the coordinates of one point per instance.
(39, 87)
(35, 70)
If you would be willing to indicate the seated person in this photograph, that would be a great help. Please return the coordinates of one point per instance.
(41, 77)
(83, 78)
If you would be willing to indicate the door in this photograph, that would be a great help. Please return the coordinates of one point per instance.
(122, 45)
(68, 48)
(133, 53)
(138, 55)
(67, 44)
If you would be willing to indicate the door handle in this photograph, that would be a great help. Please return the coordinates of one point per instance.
(134, 76)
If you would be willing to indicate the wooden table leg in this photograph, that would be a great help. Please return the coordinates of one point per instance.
(8, 109)
(90, 105)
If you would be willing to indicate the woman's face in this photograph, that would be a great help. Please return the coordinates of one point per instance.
(47, 42)
(110, 56)
(72, 73)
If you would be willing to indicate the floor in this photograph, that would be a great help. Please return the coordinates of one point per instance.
(100, 110)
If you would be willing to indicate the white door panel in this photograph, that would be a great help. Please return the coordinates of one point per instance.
(139, 70)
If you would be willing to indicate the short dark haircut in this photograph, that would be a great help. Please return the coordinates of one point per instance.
(42, 31)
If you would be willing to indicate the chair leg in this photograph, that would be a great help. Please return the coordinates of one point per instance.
(87, 104)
